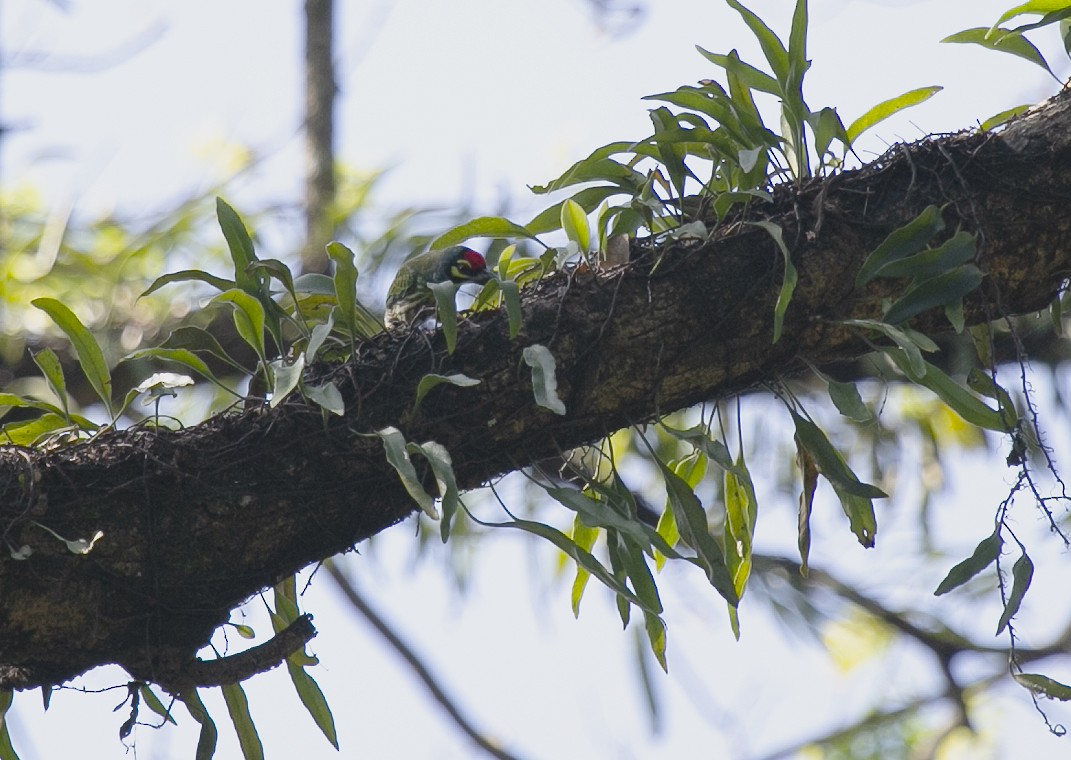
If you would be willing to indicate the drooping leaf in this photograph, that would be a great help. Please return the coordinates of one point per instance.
(861, 517)
(51, 368)
(206, 742)
(148, 696)
(656, 635)
(544, 379)
(983, 556)
(810, 484)
(887, 108)
(7, 751)
(442, 467)
(902, 242)
(512, 298)
(1022, 573)
(90, 357)
(829, 461)
(394, 445)
(248, 314)
(1003, 41)
(238, 708)
(788, 284)
(312, 697)
(958, 398)
(189, 275)
(910, 341)
(584, 537)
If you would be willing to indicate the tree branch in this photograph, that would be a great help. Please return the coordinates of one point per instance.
(196, 521)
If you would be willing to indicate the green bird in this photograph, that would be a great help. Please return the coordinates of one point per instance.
(409, 296)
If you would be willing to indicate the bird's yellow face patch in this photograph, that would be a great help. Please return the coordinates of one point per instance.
(461, 270)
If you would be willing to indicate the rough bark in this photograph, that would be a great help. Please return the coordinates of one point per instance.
(194, 522)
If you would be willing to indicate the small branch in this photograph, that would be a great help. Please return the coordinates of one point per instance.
(239, 667)
(411, 658)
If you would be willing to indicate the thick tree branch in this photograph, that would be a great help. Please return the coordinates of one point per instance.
(196, 521)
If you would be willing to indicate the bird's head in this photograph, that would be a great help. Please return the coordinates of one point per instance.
(462, 264)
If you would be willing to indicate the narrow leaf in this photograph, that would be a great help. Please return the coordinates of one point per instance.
(957, 250)
(285, 377)
(442, 467)
(905, 241)
(544, 379)
(238, 707)
(395, 447)
(512, 297)
(344, 281)
(829, 461)
(788, 284)
(1003, 41)
(188, 275)
(846, 398)
(887, 108)
(983, 556)
(312, 697)
(153, 703)
(432, 380)
(771, 44)
(584, 537)
(937, 291)
(1022, 573)
(206, 742)
(810, 485)
(248, 314)
(51, 368)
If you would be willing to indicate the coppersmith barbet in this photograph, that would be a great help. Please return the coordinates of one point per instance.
(409, 296)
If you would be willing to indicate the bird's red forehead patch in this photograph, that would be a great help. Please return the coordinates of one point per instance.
(476, 260)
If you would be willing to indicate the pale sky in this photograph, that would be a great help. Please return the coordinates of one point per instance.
(490, 96)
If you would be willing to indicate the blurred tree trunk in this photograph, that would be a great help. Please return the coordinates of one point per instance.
(320, 90)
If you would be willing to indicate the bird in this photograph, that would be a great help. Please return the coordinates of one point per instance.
(409, 295)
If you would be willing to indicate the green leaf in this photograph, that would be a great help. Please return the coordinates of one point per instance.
(327, 396)
(431, 380)
(240, 245)
(285, 377)
(580, 556)
(911, 341)
(1033, 6)
(446, 308)
(238, 707)
(28, 432)
(846, 398)
(997, 119)
(1022, 572)
(312, 697)
(1003, 41)
(248, 315)
(599, 167)
(206, 742)
(544, 379)
(771, 44)
(198, 339)
(21, 402)
(943, 290)
(830, 463)
(588, 199)
(753, 78)
(691, 520)
(7, 751)
(861, 518)
(511, 296)
(983, 556)
(442, 467)
(656, 634)
(741, 511)
(905, 241)
(958, 398)
(1044, 686)
(574, 222)
(596, 513)
(979, 382)
(153, 702)
(398, 456)
(484, 226)
(188, 275)
(584, 536)
(809, 470)
(51, 368)
(788, 284)
(90, 357)
(887, 108)
(957, 250)
(318, 335)
(344, 282)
